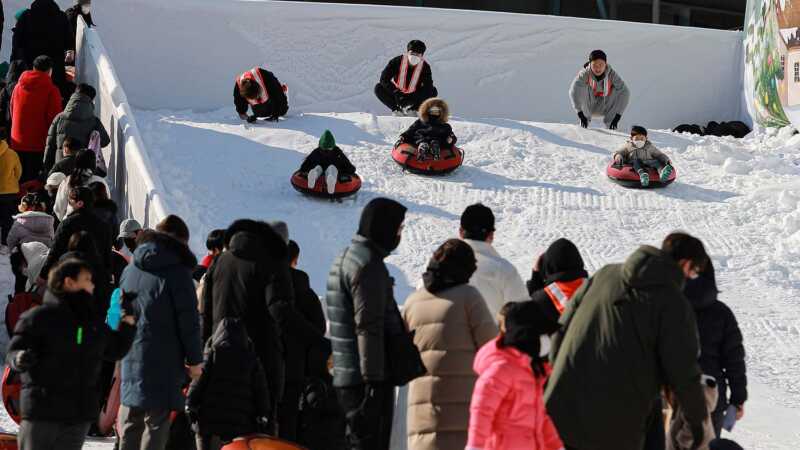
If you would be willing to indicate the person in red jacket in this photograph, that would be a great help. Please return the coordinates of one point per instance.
(34, 104)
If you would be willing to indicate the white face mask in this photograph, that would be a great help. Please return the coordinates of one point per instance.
(638, 144)
(86, 9)
(414, 59)
(544, 346)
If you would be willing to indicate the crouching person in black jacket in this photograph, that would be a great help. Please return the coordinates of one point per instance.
(261, 91)
(59, 348)
(231, 398)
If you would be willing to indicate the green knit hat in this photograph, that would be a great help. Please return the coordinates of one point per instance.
(327, 142)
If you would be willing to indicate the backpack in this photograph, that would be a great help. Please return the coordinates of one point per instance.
(94, 145)
(19, 304)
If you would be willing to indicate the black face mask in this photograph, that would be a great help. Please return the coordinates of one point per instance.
(434, 119)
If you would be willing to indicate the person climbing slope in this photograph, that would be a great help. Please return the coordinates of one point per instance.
(259, 90)
(598, 90)
(328, 160)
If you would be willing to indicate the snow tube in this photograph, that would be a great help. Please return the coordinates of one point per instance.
(261, 442)
(108, 415)
(624, 175)
(8, 441)
(12, 385)
(345, 187)
(406, 156)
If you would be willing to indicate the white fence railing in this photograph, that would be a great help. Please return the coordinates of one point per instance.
(136, 187)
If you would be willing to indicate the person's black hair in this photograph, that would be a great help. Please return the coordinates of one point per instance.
(294, 250)
(638, 129)
(43, 63)
(34, 200)
(85, 164)
(87, 90)
(680, 246)
(82, 194)
(71, 144)
(175, 227)
(215, 240)
(81, 241)
(69, 268)
(100, 191)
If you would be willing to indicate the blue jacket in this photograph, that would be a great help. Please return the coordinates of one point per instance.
(168, 327)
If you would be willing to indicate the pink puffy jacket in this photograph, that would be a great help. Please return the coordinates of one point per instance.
(507, 410)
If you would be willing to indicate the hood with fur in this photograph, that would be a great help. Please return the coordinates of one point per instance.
(426, 106)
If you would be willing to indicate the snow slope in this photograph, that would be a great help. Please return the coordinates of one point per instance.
(517, 66)
(543, 181)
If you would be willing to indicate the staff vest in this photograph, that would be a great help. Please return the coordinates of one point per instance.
(400, 81)
(561, 292)
(255, 74)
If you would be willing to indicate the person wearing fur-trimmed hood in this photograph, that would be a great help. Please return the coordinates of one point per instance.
(431, 132)
(407, 81)
(598, 90)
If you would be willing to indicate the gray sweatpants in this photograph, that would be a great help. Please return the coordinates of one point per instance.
(607, 107)
(41, 435)
(143, 430)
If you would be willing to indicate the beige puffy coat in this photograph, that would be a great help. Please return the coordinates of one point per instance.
(450, 326)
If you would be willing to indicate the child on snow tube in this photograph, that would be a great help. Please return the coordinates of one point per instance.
(641, 154)
(329, 160)
(431, 132)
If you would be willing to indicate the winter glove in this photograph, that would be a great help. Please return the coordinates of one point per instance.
(618, 159)
(126, 305)
(24, 360)
(251, 119)
(584, 120)
(614, 123)
(194, 420)
(698, 433)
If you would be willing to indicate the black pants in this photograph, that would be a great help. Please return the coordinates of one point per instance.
(655, 437)
(369, 416)
(413, 100)
(288, 412)
(20, 279)
(32, 163)
(8, 207)
(42, 435)
(717, 419)
(270, 109)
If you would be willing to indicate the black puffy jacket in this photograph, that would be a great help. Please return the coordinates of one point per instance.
(73, 13)
(298, 345)
(43, 29)
(232, 392)
(325, 158)
(722, 353)
(64, 384)
(236, 287)
(83, 219)
(277, 105)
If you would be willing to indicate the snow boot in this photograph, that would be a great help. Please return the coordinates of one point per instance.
(644, 178)
(666, 171)
(435, 150)
(422, 151)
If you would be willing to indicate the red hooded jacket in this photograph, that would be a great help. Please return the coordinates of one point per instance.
(34, 104)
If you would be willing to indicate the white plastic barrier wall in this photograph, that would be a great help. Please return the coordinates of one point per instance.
(137, 188)
(185, 54)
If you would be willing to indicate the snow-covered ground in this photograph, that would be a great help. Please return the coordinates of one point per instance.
(543, 181)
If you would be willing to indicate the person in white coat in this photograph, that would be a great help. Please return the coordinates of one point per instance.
(83, 175)
(496, 278)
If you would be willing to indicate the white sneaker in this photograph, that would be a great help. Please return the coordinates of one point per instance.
(398, 113)
(410, 112)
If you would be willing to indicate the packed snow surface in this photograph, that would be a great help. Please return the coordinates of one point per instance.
(543, 181)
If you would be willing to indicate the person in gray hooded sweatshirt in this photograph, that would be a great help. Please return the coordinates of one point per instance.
(598, 90)
(77, 121)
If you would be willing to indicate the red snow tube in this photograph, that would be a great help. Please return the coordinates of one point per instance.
(345, 187)
(624, 175)
(108, 415)
(261, 442)
(406, 155)
(12, 385)
(8, 441)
